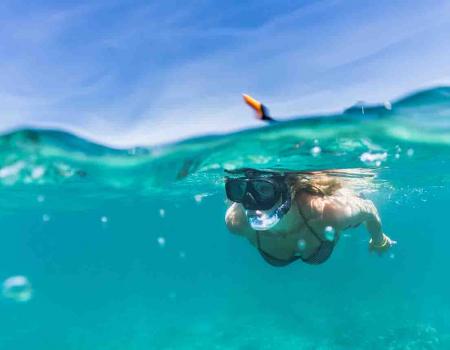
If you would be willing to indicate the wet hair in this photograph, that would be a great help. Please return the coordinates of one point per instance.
(317, 184)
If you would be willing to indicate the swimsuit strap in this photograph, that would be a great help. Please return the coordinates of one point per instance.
(258, 241)
(308, 225)
(325, 248)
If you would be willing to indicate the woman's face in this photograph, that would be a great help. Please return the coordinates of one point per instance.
(255, 193)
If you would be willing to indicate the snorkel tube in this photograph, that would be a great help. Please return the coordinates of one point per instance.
(265, 220)
(262, 112)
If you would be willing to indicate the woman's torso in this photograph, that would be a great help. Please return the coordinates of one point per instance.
(301, 231)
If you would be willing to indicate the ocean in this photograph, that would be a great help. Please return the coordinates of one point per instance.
(127, 249)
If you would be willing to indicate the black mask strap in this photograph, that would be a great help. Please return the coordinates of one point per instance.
(286, 200)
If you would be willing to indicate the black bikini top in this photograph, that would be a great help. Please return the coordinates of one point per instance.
(321, 255)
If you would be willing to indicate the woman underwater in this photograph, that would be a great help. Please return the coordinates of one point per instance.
(290, 216)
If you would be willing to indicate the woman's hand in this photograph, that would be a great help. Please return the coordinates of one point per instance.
(382, 246)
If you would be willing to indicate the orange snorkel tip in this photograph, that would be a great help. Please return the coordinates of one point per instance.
(256, 105)
(261, 111)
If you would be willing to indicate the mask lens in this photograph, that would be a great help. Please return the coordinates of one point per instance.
(264, 189)
(266, 193)
(236, 189)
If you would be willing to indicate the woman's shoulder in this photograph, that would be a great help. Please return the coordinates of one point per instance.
(305, 197)
(309, 204)
(343, 192)
(236, 221)
(316, 205)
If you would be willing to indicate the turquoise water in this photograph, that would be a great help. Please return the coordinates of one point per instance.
(127, 249)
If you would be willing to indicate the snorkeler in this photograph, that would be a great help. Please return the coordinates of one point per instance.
(290, 215)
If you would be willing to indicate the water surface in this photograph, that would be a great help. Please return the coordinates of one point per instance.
(127, 249)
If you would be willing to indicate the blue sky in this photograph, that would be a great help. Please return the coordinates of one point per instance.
(144, 72)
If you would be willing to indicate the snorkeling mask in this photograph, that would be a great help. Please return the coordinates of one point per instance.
(259, 194)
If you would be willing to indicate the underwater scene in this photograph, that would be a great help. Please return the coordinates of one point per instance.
(127, 249)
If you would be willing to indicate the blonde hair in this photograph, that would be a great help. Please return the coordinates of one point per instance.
(317, 184)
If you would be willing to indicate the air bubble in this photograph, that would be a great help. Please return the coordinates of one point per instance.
(199, 197)
(182, 255)
(12, 170)
(161, 241)
(329, 233)
(373, 158)
(315, 151)
(18, 289)
(37, 172)
(104, 219)
(162, 213)
(410, 152)
(40, 198)
(301, 244)
(45, 218)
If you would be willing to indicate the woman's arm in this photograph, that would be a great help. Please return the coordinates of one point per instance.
(236, 220)
(352, 211)
(369, 214)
